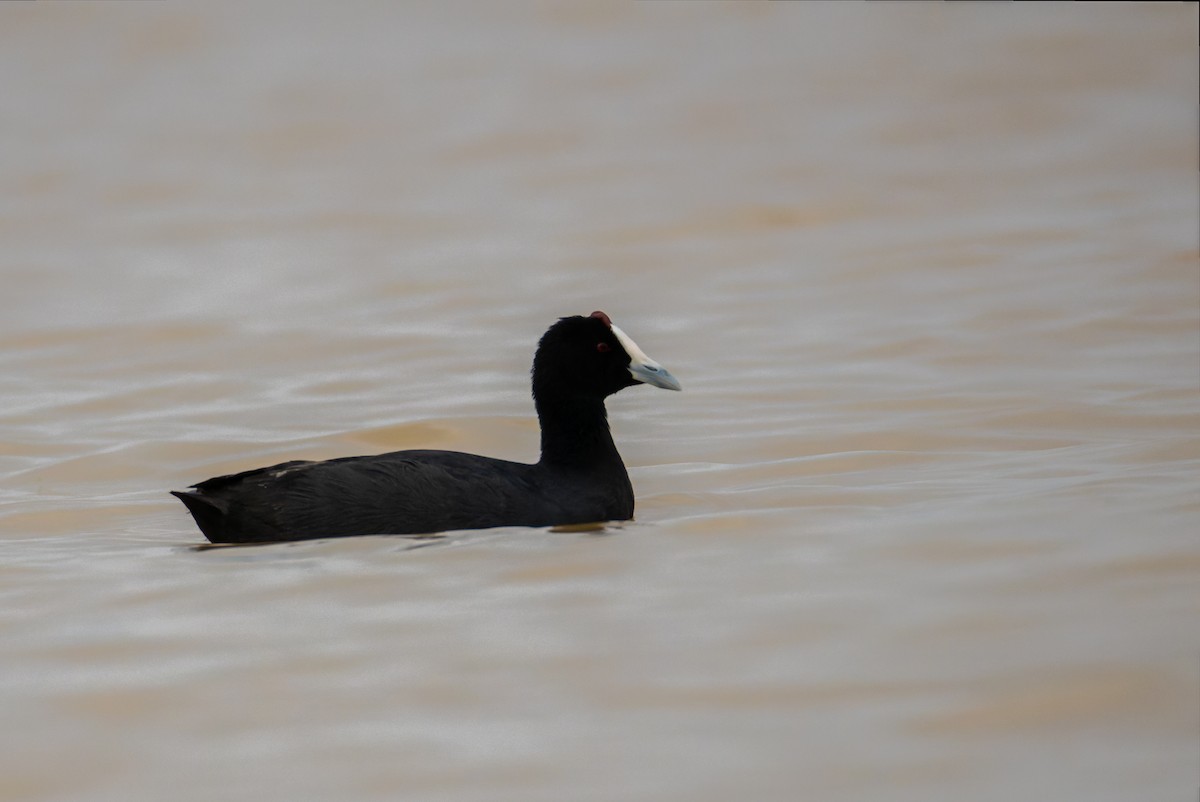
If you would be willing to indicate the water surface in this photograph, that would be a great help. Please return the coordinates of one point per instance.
(922, 525)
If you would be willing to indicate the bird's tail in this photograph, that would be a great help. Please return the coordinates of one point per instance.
(209, 513)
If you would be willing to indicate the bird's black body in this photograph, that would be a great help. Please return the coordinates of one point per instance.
(580, 477)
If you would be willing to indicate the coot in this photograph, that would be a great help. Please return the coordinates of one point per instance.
(580, 478)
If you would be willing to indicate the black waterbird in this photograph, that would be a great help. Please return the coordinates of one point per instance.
(579, 478)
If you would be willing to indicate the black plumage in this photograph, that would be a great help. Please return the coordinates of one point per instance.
(579, 478)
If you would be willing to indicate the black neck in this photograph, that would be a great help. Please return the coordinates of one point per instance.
(575, 433)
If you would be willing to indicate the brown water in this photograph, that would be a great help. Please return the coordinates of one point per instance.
(922, 526)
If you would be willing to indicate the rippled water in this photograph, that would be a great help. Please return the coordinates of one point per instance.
(922, 526)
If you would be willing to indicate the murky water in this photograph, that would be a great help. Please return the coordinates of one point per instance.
(923, 525)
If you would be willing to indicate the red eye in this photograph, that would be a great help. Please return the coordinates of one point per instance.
(603, 348)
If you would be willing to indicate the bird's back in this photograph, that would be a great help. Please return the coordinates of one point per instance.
(404, 492)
